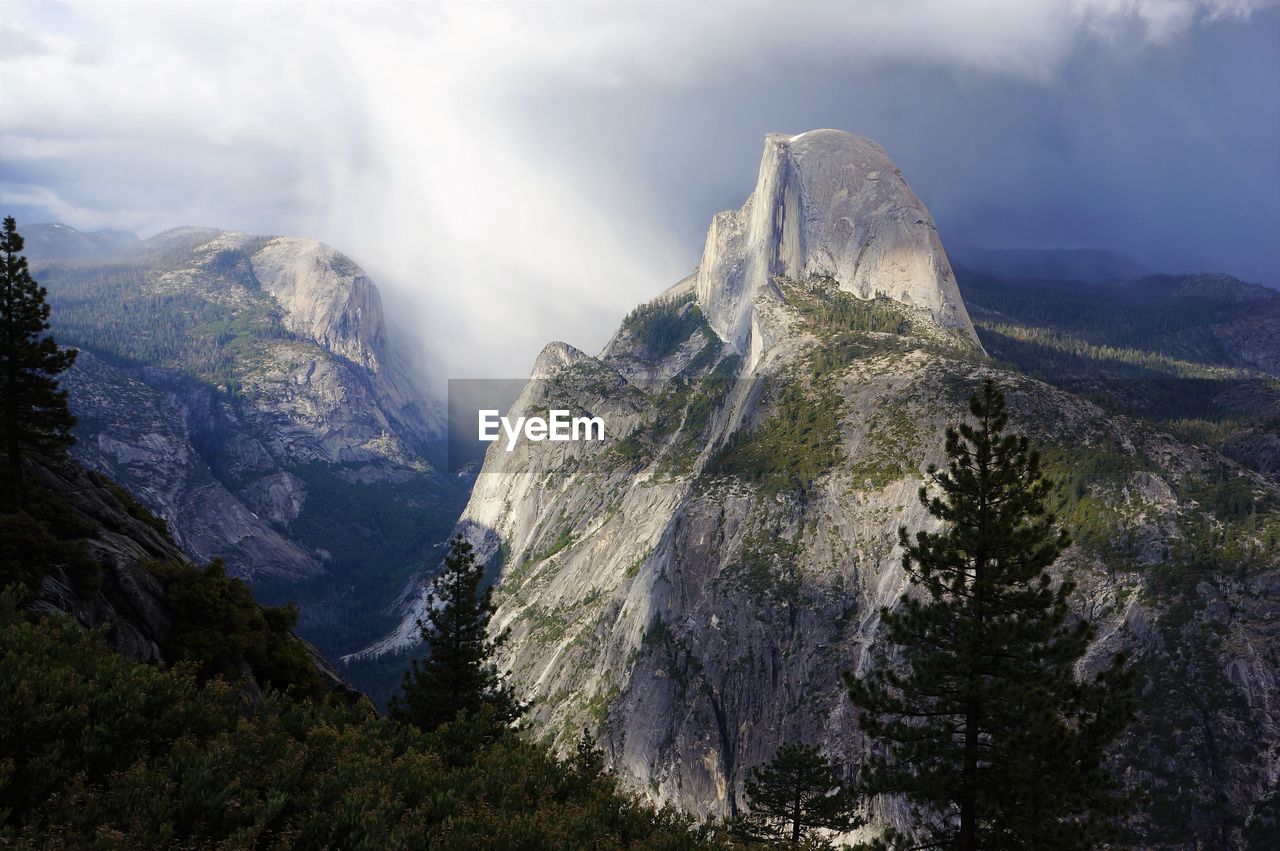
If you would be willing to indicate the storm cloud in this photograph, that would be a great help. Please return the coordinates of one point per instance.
(512, 174)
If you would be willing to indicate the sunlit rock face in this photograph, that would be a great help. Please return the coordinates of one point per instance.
(330, 300)
(692, 589)
(325, 297)
(827, 204)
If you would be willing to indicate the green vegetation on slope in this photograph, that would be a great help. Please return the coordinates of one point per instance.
(682, 412)
(663, 324)
(214, 623)
(830, 311)
(1185, 352)
(789, 450)
(43, 533)
(217, 626)
(768, 565)
(1087, 491)
(1226, 524)
(800, 440)
(101, 752)
(1053, 352)
(1175, 316)
(686, 410)
(127, 313)
(377, 536)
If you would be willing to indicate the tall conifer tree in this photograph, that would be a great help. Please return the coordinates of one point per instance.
(982, 723)
(795, 794)
(33, 410)
(458, 675)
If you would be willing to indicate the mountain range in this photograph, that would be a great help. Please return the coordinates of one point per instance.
(245, 389)
(692, 589)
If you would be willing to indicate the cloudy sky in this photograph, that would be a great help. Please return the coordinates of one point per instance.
(516, 173)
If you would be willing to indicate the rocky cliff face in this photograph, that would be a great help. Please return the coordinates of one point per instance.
(693, 588)
(826, 205)
(122, 543)
(328, 299)
(144, 435)
(246, 389)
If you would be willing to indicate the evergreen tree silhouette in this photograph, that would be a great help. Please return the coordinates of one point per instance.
(34, 413)
(797, 792)
(982, 723)
(458, 676)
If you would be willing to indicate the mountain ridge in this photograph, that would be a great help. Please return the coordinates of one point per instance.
(691, 590)
(247, 390)
(115, 568)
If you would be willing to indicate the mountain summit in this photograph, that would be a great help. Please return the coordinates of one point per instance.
(692, 588)
(827, 204)
(247, 389)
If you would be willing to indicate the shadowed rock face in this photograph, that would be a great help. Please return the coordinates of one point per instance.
(827, 204)
(692, 589)
(128, 603)
(145, 435)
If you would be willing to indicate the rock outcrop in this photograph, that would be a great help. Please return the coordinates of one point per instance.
(247, 390)
(285, 365)
(141, 429)
(325, 297)
(832, 205)
(693, 589)
(329, 299)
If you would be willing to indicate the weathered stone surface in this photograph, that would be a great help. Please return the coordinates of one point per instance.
(317, 383)
(143, 437)
(696, 620)
(328, 299)
(827, 204)
(325, 297)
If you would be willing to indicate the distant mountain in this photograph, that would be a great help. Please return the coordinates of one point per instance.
(692, 588)
(63, 242)
(246, 390)
(1080, 264)
(1195, 354)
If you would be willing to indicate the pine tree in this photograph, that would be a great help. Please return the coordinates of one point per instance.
(587, 760)
(35, 414)
(797, 792)
(586, 765)
(983, 726)
(458, 675)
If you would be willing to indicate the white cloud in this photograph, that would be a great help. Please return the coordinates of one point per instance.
(1159, 21)
(399, 133)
